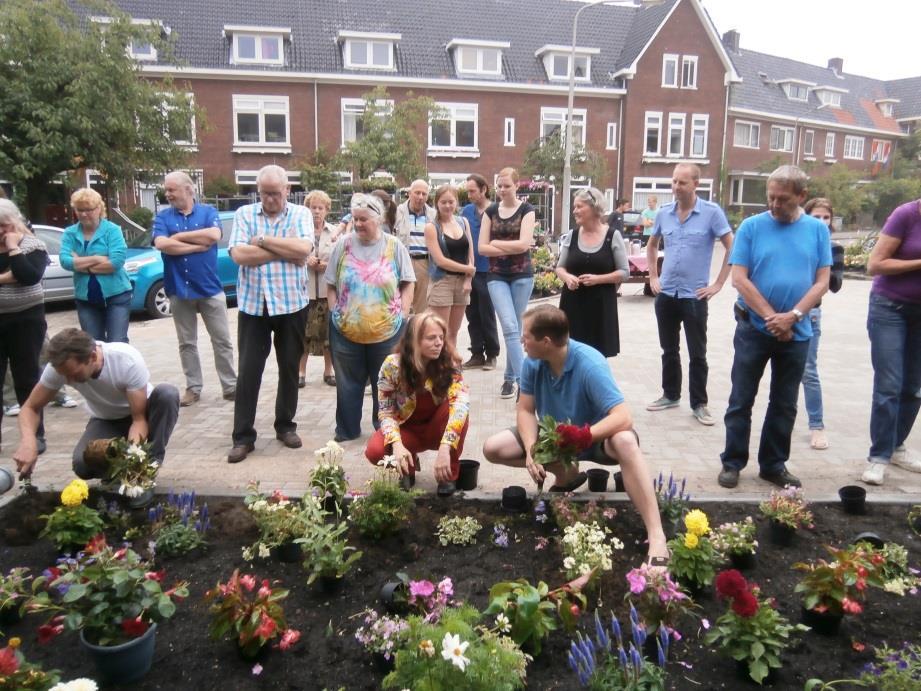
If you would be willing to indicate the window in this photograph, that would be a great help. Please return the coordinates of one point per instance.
(611, 140)
(261, 120)
(353, 110)
(509, 132)
(796, 92)
(454, 179)
(248, 177)
(747, 135)
(456, 128)
(643, 188)
(781, 138)
(689, 72)
(700, 124)
(830, 145)
(748, 192)
(265, 49)
(557, 61)
(829, 98)
(808, 142)
(676, 134)
(885, 108)
(140, 49)
(653, 136)
(478, 60)
(372, 54)
(853, 147)
(179, 130)
(879, 153)
(670, 70)
(560, 65)
(553, 120)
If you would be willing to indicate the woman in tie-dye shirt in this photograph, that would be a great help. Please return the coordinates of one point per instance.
(369, 281)
(424, 403)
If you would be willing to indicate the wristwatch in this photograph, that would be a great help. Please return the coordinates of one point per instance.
(799, 315)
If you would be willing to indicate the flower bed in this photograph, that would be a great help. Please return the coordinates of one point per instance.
(329, 656)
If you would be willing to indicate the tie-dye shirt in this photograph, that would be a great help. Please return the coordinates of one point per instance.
(367, 280)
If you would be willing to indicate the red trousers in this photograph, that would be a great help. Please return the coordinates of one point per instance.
(421, 432)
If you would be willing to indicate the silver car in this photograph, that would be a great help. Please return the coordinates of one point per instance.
(58, 282)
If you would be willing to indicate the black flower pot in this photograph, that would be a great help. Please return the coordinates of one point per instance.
(742, 561)
(619, 482)
(853, 499)
(742, 673)
(781, 535)
(651, 646)
(694, 588)
(10, 615)
(382, 664)
(469, 471)
(330, 584)
(393, 597)
(330, 504)
(598, 480)
(515, 499)
(289, 552)
(258, 655)
(825, 623)
(871, 539)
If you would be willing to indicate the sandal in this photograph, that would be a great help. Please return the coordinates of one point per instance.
(572, 486)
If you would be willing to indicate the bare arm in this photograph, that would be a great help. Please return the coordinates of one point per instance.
(483, 245)
(617, 420)
(526, 423)
(709, 291)
(26, 454)
(137, 403)
(250, 255)
(435, 253)
(881, 261)
(6, 278)
(407, 290)
(524, 241)
(782, 323)
(750, 294)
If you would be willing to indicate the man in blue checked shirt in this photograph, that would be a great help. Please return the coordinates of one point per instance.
(271, 241)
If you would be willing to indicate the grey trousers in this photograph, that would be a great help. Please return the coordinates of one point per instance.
(213, 312)
(162, 413)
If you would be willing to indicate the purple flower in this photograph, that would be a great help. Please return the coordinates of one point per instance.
(421, 589)
(637, 581)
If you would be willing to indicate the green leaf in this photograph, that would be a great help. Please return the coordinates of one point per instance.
(74, 593)
(166, 607)
(757, 650)
(757, 670)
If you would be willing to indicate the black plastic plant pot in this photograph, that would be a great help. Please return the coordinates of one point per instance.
(598, 480)
(824, 623)
(382, 664)
(393, 597)
(288, 552)
(853, 499)
(742, 560)
(872, 539)
(742, 672)
(469, 472)
(330, 584)
(619, 482)
(781, 535)
(514, 499)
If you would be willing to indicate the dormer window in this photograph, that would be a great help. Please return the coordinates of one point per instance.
(368, 51)
(477, 58)
(830, 96)
(139, 48)
(557, 61)
(257, 45)
(796, 89)
(886, 106)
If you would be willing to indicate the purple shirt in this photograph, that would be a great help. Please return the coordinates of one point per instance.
(904, 224)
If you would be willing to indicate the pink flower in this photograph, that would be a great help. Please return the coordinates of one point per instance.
(266, 628)
(266, 589)
(851, 606)
(541, 543)
(446, 587)
(421, 589)
(8, 661)
(637, 581)
(248, 581)
(47, 632)
(705, 623)
(155, 575)
(257, 669)
(289, 638)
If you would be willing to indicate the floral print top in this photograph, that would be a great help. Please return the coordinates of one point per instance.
(396, 406)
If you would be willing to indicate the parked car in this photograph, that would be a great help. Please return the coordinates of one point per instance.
(58, 281)
(633, 226)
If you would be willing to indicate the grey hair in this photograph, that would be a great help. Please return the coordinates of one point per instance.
(273, 172)
(594, 198)
(423, 183)
(790, 176)
(9, 212)
(369, 202)
(182, 177)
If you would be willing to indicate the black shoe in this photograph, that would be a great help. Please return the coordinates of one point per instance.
(475, 361)
(240, 452)
(781, 479)
(728, 477)
(446, 489)
(339, 438)
(407, 482)
(509, 389)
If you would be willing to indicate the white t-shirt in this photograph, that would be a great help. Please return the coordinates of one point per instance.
(123, 370)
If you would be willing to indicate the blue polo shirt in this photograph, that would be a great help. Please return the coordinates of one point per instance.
(584, 393)
(189, 276)
(474, 219)
(688, 246)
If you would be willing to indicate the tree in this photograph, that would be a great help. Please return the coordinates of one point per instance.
(72, 97)
(545, 157)
(318, 173)
(840, 187)
(390, 137)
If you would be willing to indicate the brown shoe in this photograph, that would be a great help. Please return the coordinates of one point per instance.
(290, 439)
(189, 397)
(230, 395)
(239, 453)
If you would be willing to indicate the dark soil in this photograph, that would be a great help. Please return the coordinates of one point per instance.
(329, 657)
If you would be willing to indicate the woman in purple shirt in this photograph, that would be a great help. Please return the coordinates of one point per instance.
(894, 325)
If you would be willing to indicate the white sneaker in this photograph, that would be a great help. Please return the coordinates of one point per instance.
(874, 474)
(901, 459)
(11, 410)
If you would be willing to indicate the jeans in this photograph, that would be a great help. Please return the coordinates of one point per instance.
(481, 319)
(108, 322)
(812, 387)
(671, 313)
(753, 350)
(355, 364)
(213, 312)
(895, 351)
(22, 335)
(510, 300)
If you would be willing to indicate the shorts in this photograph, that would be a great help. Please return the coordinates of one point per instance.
(595, 454)
(448, 291)
(316, 333)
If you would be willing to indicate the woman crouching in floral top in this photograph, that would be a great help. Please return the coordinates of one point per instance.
(424, 403)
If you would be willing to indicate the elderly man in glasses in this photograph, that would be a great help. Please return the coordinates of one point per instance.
(412, 215)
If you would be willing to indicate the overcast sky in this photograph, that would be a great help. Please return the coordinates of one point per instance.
(877, 39)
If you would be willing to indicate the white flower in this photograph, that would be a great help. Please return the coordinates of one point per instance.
(569, 562)
(247, 554)
(503, 623)
(387, 462)
(81, 684)
(123, 489)
(452, 649)
(264, 551)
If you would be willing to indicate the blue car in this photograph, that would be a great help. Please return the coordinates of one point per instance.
(145, 269)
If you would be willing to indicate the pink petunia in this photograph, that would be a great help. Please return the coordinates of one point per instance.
(248, 581)
(289, 638)
(421, 588)
(637, 581)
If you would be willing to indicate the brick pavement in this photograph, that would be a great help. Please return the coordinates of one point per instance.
(672, 440)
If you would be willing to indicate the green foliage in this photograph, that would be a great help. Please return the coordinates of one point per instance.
(326, 552)
(839, 585)
(458, 530)
(547, 282)
(735, 538)
(693, 559)
(545, 158)
(318, 173)
(895, 669)
(14, 587)
(840, 187)
(278, 518)
(220, 186)
(142, 216)
(543, 259)
(68, 526)
(885, 194)
(177, 539)
(384, 510)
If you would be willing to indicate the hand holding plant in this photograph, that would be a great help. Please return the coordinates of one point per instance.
(560, 442)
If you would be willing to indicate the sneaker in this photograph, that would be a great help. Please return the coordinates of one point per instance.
(11, 410)
(728, 477)
(703, 415)
(474, 361)
(189, 397)
(508, 390)
(489, 364)
(663, 403)
(901, 459)
(781, 479)
(874, 474)
(64, 401)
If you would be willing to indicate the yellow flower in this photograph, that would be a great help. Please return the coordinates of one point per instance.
(691, 541)
(75, 493)
(15, 643)
(427, 647)
(696, 522)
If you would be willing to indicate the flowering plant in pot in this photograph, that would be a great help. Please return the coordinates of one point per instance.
(752, 632)
(249, 615)
(384, 509)
(16, 673)
(14, 591)
(894, 572)
(735, 541)
(658, 600)
(178, 526)
(73, 523)
(280, 521)
(132, 467)
(381, 634)
(327, 554)
(328, 477)
(560, 442)
(788, 507)
(587, 549)
(692, 554)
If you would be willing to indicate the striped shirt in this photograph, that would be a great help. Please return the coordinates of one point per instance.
(279, 286)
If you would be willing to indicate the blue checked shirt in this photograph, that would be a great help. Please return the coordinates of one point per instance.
(279, 285)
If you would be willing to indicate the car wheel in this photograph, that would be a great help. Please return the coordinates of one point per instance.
(157, 302)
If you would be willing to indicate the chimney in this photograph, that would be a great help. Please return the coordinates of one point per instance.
(731, 41)
(836, 65)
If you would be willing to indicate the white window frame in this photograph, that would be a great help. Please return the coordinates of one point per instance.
(550, 63)
(191, 144)
(790, 87)
(754, 128)
(832, 99)
(508, 131)
(644, 187)
(356, 107)
(854, 147)
(259, 59)
(676, 124)
(142, 57)
(241, 105)
(886, 109)
(454, 179)
(479, 59)
(737, 191)
(785, 134)
(369, 48)
(248, 177)
(809, 143)
(557, 116)
(450, 113)
(611, 137)
(670, 58)
(653, 117)
(830, 146)
(700, 122)
(688, 71)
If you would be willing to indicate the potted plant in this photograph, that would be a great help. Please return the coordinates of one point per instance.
(114, 599)
(692, 555)
(327, 555)
(14, 591)
(658, 601)
(673, 502)
(587, 549)
(16, 673)
(384, 510)
(457, 530)
(328, 477)
(133, 469)
(568, 512)
(248, 615)
(560, 442)
(381, 636)
(752, 632)
(72, 524)
(280, 520)
(788, 511)
(736, 542)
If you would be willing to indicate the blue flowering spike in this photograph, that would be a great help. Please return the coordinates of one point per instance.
(604, 640)
(634, 615)
(637, 659)
(664, 639)
(622, 658)
(615, 629)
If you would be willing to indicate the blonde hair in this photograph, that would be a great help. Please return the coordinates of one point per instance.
(319, 196)
(89, 197)
(510, 172)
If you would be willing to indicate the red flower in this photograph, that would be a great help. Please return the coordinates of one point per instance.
(248, 581)
(730, 583)
(745, 604)
(578, 437)
(851, 606)
(8, 662)
(289, 638)
(155, 575)
(266, 589)
(134, 627)
(96, 544)
(267, 627)
(858, 646)
(47, 632)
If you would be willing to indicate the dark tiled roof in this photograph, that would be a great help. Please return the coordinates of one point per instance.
(645, 23)
(908, 91)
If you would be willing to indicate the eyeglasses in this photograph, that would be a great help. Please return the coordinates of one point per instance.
(85, 210)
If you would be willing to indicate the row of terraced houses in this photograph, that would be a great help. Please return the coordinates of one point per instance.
(656, 84)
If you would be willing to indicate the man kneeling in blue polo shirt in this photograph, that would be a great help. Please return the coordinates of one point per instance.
(572, 381)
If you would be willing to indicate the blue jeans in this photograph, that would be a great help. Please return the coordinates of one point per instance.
(510, 300)
(108, 322)
(355, 364)
(895, 351)
(812, 387)
(753, 350)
